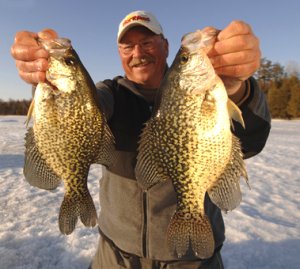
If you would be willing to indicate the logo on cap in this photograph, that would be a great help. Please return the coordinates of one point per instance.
(135, 18)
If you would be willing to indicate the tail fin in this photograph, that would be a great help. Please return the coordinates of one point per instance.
(191, 230)
(72, 208)
(87, 211)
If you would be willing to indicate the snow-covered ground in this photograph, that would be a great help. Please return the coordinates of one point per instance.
(263, 233)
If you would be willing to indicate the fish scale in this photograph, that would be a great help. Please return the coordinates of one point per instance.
(69, 133)
(188, 140)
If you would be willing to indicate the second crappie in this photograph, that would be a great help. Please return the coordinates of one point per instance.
(189, 141)
(69, 133)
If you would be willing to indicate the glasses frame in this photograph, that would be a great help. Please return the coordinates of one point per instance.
(147, 44)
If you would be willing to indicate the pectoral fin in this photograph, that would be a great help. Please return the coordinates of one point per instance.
(30, 112)
(235, 113)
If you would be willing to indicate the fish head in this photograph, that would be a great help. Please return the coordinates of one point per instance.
(65, 68)
(192, 68)
(200, 39)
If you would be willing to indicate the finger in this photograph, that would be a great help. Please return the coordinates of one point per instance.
(241, 71)
(27, 52)
(236, 58)
(235, 44)
(48, 34)
(33, 77)
(26, 47)
(26, 38)
(235, 28)
(39, 65)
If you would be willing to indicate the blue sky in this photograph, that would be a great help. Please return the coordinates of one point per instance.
(92, 27)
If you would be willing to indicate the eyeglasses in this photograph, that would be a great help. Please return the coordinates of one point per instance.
(146, 45)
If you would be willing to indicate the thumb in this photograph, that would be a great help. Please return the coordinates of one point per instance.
(48, 34)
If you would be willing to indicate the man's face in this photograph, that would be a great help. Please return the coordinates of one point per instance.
(143, 55)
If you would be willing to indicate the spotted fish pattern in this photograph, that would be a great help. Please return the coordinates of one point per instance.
(189, 141)
(69, 133)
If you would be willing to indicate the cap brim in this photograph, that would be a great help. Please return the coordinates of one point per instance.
(133, 24)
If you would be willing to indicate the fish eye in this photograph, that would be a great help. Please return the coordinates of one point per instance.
(184, 58)
(69, 61)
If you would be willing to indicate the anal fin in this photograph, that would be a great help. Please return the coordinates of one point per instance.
(105, 155)
(36, 171)
(148, 170)
(226, 192)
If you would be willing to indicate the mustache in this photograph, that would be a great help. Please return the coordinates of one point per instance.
(142, 60)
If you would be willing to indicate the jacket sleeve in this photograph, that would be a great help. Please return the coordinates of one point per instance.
(257, 122)
(105, 97)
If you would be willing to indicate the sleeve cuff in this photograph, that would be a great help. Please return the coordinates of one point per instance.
(247, 93)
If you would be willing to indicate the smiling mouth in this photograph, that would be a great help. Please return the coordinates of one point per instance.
(141, 65)
(140, 62)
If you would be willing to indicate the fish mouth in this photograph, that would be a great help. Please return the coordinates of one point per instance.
(55, 46)
(55, 76)
(52, 86)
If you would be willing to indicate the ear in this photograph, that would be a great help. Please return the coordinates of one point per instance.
(166, 47)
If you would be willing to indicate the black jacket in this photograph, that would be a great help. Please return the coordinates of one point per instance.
(134, 220)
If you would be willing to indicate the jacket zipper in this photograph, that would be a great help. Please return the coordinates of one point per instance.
(145, 224)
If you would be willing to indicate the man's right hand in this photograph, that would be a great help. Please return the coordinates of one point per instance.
(31, 59)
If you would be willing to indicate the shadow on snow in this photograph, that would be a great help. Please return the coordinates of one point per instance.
(258, 254)
(11, 161)
(38, 252)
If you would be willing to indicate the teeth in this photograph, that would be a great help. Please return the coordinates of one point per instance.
(139, 62)
(142, 62)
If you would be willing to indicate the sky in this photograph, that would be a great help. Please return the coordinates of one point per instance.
(92, 26)
(262, 233)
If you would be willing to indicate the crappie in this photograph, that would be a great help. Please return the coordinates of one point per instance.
(69, 133)
(189, 141)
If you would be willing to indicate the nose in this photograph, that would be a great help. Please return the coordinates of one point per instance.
(137, 51)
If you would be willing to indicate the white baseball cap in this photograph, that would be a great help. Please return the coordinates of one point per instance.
(142, 18)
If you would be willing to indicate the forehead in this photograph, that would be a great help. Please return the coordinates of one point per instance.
(136, 32)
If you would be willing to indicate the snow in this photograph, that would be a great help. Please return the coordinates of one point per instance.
(262, 233)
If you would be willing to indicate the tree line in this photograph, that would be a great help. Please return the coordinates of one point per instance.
(281, 86)
(14, 107)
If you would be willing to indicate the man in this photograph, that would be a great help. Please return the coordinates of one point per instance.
(133, 223)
